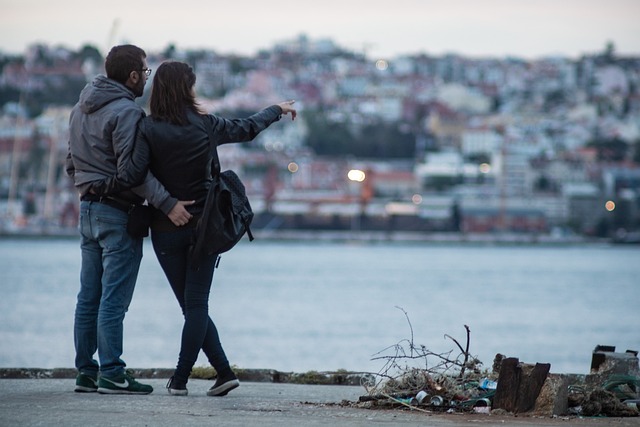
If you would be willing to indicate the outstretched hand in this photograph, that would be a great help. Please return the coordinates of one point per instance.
(287, 107)
(179, 215)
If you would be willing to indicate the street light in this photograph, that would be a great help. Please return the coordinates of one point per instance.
(358, 176)
(610, 205)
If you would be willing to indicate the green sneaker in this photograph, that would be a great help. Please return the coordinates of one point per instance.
(86, 383)
(122, 384)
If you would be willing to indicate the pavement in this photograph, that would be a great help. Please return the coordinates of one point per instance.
(52, 402)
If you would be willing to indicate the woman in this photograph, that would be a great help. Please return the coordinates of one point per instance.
(179, 157)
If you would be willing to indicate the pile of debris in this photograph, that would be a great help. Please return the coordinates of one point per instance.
(611, 389)
(419, 389)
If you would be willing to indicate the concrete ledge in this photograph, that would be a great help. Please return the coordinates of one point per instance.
(250, 375)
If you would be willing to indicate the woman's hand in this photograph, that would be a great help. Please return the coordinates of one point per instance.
(287, 107)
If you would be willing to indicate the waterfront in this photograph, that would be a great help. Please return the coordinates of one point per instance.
(299, 306)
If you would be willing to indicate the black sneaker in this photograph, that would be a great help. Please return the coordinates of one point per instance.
(177, 388)
(224, 385)
(122, 384)
(86, 383)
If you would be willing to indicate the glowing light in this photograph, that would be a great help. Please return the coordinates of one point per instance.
(397, 208)
(610, 205)
(293, 167)
(356, 175)
(416, 199)
(485, 168)
(382, 64)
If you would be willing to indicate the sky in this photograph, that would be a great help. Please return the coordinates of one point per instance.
(380, 28)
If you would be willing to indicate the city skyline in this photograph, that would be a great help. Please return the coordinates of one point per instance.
(492, 28)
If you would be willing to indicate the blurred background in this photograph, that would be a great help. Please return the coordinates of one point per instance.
(499, 119)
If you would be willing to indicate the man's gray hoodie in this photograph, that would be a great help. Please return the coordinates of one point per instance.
(102, 133)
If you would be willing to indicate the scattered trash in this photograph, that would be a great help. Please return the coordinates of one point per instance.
(484, 402)
(436, 401)
(611, 388)
(632, 403)
(623, 386)
(407, 401)
(602, 402)
(421, 396)
(488, 384)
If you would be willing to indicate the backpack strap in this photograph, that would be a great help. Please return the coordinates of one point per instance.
(215, 160)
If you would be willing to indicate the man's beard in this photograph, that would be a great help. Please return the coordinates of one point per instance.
(138, 89)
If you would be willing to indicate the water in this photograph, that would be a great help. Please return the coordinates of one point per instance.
(327, 306)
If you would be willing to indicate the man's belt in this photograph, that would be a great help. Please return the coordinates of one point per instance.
(122, 205)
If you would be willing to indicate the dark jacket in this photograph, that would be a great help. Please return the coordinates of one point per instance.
(102, 129)
(180, 156)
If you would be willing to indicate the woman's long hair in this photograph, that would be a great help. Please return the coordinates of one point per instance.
(172, 94)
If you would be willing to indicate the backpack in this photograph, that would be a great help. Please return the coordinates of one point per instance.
(227, 213)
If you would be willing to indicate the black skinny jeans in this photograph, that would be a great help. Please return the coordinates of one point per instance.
(191, 288)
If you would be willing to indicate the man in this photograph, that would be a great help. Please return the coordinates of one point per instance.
(101, 161)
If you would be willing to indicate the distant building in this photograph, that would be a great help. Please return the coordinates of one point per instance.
(491, 220)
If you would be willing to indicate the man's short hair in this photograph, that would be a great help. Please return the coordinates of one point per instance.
(122, 60)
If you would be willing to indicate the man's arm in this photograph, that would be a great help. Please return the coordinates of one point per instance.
(132, 155)
(159, 197)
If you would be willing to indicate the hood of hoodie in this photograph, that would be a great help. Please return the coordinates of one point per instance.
(101, 92)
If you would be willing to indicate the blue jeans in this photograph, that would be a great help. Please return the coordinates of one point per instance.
(191, 288)
(110, 263)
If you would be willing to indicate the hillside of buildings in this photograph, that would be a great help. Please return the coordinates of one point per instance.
(416, 143)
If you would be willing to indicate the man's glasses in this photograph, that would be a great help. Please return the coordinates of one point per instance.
(147, 71)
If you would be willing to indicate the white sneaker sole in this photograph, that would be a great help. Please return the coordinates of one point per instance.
(103, 390)
(82, 389)
(223, 389)
(175, 392)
